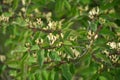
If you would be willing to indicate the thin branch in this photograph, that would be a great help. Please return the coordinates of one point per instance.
(90, 45)
(45, 30)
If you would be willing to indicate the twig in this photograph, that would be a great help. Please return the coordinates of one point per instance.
(90, 45)
(45, 30)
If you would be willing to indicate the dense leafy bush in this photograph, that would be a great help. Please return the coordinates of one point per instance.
(59, 40)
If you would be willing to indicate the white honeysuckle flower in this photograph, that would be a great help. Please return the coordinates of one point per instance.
(36, 10)
(64, 55)
(91, 34)
(54, 38)
(59, 24)
(34, 24)
(86, 8)
(34, 55)
(114, 58)
(96, 36)
(118, 44)
(59, 53)
(50, 36)
(108, 43)
(45, 28)
(102, 20)
(72, 38)
(41, 40)
(61, 34)
(68, 57)
(27, 20)
(2, 58)
(110, 57)
(59, 44)
(30, 23)
(50, 24)
(57, 36)
(48, 16)
(27, 44)
(23, 2)
(4, 18)
(90, 13)
(39, 21)
(97, 10)
(102, 65)
(112, 11)
(76, 53)
(23, 9)
(93, 12)
(113, 45)
(106, 52)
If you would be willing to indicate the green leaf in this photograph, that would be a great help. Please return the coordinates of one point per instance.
(93, 26)
(111, 24)
(53, 55)
(106, 32)
(8, 14)
(20, 21)
(24, 58)
(67, 4)
(68, 51)
(40, 54)
(66, 72)
(44, 75)
(56, 77)
(31, 60)
(51, 75)
(13, 64)
(19, 50)
(59, 6)
(72, 68)
(15, 4)
(85, 1)
(66, 34)
(67, 43)
(35, 47)
(102, 78)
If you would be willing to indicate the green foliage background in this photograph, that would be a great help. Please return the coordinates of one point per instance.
(59, 39)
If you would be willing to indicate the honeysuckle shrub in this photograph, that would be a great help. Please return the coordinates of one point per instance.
(59, 39)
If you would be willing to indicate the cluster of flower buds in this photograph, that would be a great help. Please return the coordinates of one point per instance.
(52, 38)
(36, 24)
(51, 25)
(114, 57)
(54, 25)
(28, 45)
(94, 13)
(102, 20)
(75, 52)
(2, 58)
(83, 9)
(114, 45)
(39, 41)
(91, 35)
(47, 16)
(4, 18)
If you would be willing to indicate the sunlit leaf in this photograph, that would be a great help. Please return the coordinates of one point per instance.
(66, 72)
(40, 56)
